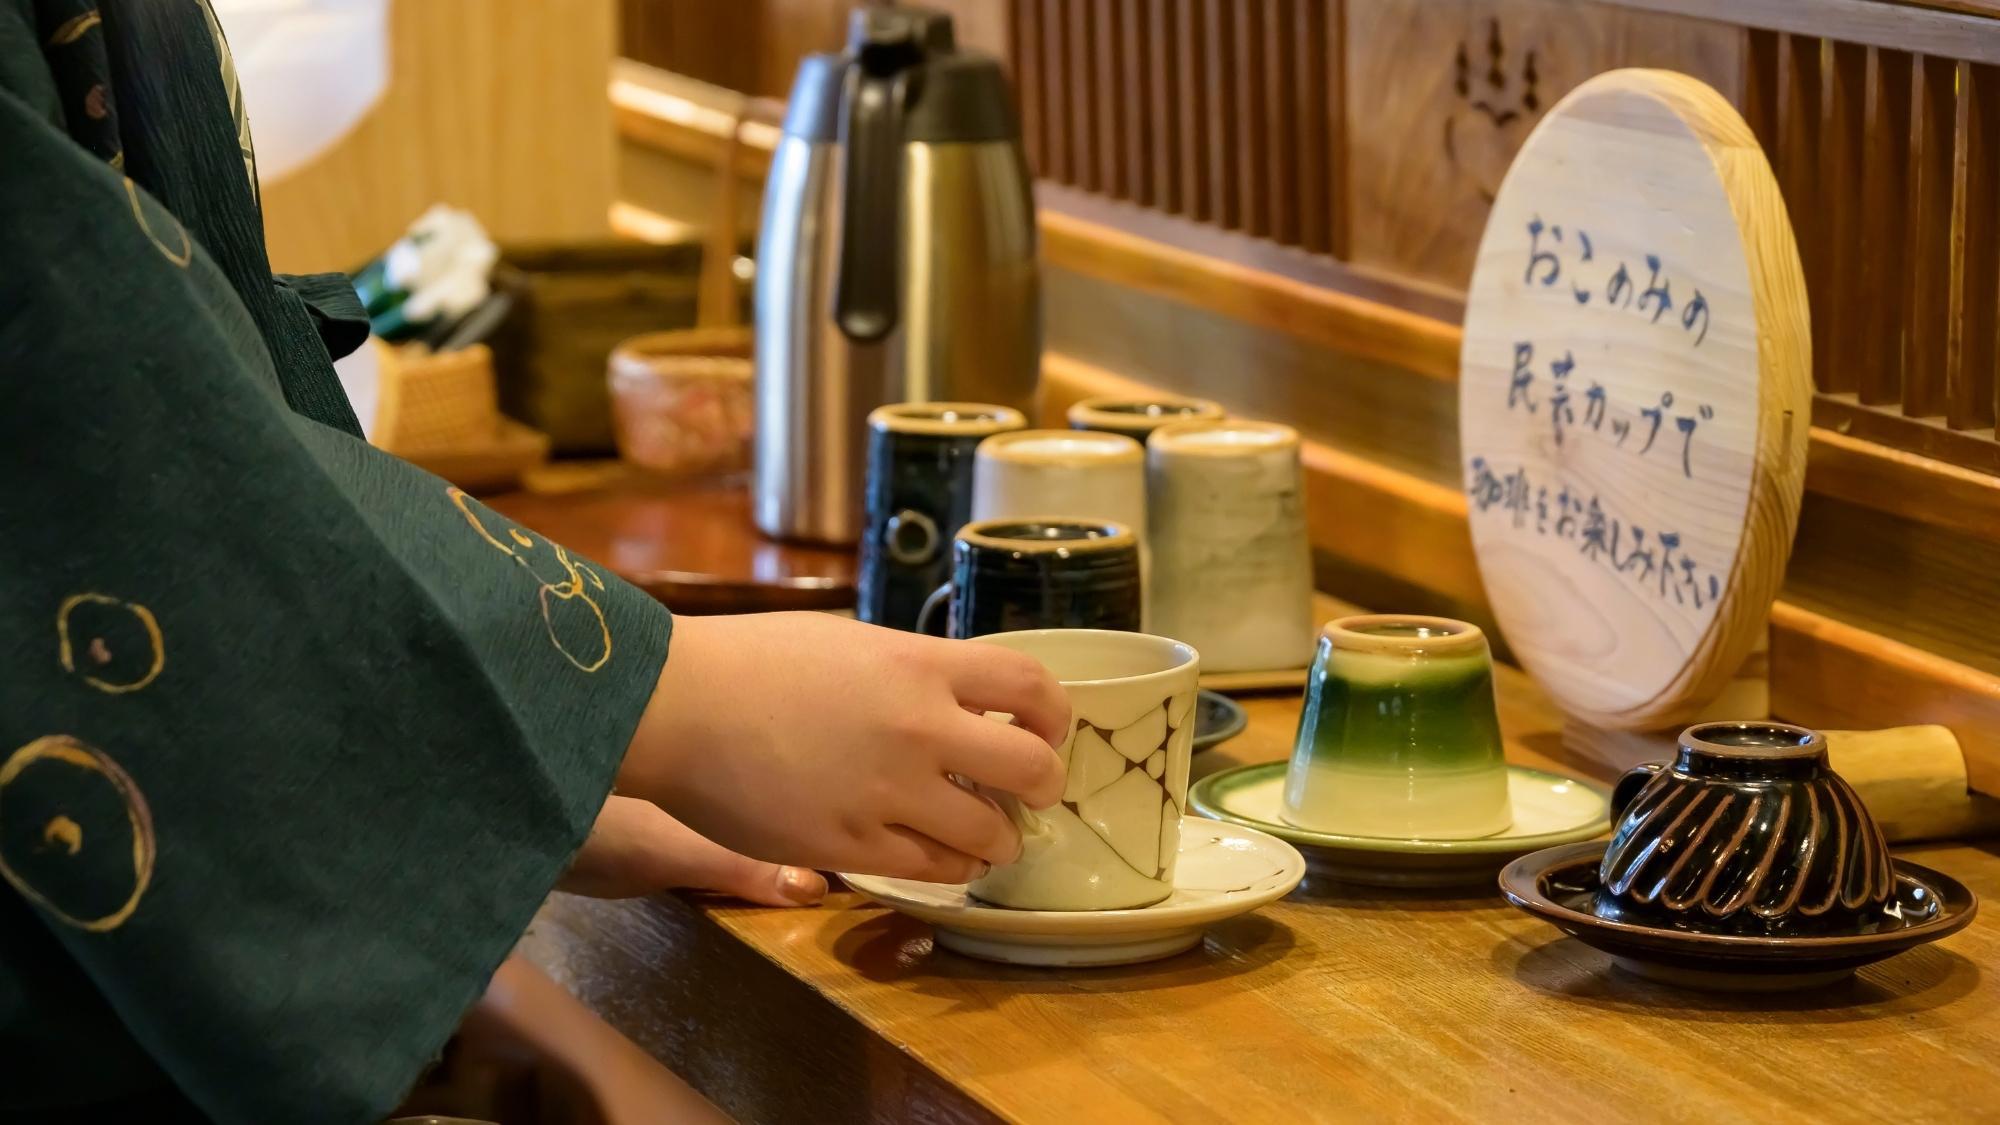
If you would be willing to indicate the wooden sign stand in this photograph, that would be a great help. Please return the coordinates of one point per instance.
(1747, 695)
(1634, 407)
(1634, 403)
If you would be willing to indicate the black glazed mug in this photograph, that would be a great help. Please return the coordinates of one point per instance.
(1747, 831)
(919, 493)
(1137, 418)
(1037, 573)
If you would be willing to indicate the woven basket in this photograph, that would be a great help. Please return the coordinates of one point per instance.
(440, 411)
(436, 403)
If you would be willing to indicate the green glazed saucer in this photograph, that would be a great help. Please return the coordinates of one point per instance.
(1549, 809)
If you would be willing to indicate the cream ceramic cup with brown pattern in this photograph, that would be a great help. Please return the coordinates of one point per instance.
(1112, 842)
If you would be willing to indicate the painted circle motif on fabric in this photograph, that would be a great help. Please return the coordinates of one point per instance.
(76, 837)
(165, 231)
(575, 621)
(115, 646)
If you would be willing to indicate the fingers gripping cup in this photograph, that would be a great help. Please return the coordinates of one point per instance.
(1111, 843)
(1399, 736)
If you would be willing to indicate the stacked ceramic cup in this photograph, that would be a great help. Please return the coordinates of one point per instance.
(919, 493)
(1040, 573)
(1399, 736)
(1137, 418)
(1232, 568)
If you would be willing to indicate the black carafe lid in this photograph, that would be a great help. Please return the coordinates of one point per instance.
(904, 82)
(952, 95)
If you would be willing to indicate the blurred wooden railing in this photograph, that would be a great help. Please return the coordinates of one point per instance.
(1890, 163)
(1372, 134)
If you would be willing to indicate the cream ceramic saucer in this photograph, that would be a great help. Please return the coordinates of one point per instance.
(1548, 810)
(1224, 870)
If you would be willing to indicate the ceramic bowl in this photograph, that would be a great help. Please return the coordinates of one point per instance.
(1747, 831)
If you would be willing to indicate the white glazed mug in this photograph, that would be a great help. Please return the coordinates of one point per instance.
(1232, 564)
(1082, 474)
(1112, 842)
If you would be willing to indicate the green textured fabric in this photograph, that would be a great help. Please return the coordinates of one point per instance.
(293, 738)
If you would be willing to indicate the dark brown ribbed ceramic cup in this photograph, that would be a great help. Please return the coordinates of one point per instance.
(1747, 831)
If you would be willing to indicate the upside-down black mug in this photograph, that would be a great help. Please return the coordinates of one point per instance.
(1037, 573)
(920, 458)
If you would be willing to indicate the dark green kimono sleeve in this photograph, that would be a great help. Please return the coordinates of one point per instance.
(294, 738)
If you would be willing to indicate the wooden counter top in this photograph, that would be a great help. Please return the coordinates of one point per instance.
(1338, 1003)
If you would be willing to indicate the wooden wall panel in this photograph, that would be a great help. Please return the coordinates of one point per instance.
(1219, 93)
(1878, 287)
(1086, 129)
(1839, 342)
(1058, 162)
(1191, 111)
(1026, 57)
(1975, 250)
(497, 106)
(1440, 94)
(1928, 322)
(752, 46)
(1163, 96)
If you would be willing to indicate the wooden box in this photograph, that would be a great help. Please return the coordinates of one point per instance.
(573, 304)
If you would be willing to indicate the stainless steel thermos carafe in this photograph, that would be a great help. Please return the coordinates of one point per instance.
(896, 260)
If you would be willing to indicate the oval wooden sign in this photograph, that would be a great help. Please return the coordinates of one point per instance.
(1635, 398)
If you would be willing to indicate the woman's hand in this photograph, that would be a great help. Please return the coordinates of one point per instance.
(636, 849)
(807, 739)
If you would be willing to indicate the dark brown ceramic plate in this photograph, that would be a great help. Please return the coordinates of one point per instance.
(1557, 885)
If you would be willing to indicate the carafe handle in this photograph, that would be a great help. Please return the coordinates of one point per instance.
(873, 97)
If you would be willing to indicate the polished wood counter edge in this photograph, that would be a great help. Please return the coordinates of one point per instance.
(689, 544)
(1338, 1003)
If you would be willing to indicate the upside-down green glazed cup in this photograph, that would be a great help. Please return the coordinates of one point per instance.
(1399, 736)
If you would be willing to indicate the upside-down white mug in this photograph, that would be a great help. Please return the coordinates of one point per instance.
(1082, 474)
(1232, 564)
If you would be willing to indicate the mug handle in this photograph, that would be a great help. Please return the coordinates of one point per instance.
(1628, 786)
(938, 597)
